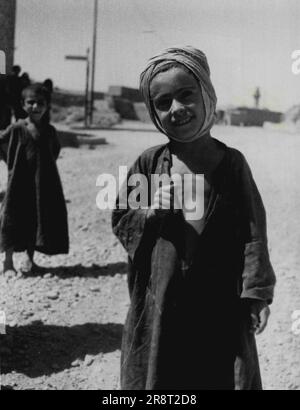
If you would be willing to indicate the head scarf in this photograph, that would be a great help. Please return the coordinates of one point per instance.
(195, 61)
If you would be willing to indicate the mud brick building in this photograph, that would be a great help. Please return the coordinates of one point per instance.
(7, 30)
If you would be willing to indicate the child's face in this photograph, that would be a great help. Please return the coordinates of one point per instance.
(178, 102)
(35, 105)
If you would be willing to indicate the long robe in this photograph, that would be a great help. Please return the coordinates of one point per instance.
(33, 212)
(188, 326)
(5, 111)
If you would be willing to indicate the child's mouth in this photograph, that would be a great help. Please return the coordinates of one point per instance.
(183, 121)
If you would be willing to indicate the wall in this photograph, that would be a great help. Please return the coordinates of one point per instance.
(7, 30)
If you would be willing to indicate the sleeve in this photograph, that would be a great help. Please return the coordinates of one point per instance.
(5, 135)
(132, 226)
(258, 278)
(4, 142)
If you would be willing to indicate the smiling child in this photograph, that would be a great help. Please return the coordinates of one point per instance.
(199, 287)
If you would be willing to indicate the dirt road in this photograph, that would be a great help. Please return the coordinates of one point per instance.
(64, 325)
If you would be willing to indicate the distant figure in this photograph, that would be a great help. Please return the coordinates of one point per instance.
(15, 91)
(48, 83)
(25, 80)
(257, 96)
(33, 214)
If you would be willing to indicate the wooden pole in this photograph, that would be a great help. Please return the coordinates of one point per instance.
(86, 105)
(93, 59)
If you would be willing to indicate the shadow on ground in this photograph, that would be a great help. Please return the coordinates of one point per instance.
(40, 350)
(93, 271)
(132, 129)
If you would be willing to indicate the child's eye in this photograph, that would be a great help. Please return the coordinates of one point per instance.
(186, 95)
(163, 104)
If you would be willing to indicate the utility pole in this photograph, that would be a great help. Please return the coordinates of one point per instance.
(86, 99)
(93, 61)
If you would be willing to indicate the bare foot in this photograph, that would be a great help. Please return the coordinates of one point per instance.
(27, 265)
(8, 268)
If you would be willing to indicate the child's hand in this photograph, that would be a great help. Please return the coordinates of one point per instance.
(163, 200)
(259, 313)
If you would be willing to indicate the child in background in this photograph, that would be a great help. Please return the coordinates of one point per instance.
(199, 288)
(33, 215)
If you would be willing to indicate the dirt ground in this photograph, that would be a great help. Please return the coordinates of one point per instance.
(64, 325)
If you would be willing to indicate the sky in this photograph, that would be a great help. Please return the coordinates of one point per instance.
(248, 43)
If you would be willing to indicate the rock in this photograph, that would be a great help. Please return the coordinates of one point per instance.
(53, 295)
(27, 315)
(31, 298)
(47, 276)
(95, 289)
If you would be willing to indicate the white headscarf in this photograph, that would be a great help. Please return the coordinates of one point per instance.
(195, 61)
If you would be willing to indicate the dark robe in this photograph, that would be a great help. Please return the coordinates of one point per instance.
(188, 325)
(15, 95)
(5, 111)
(33, 211)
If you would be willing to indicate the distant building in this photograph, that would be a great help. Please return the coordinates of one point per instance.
(7, 30)
(131, 94)
(249, 116)
(123, 100)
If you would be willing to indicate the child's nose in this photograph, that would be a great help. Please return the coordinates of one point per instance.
(177, 108)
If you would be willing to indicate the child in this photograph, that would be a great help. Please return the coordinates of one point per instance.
(33, 215)
(200, 288)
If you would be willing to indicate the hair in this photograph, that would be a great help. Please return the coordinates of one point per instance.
(37, 89)
(48, 83)
(195, 62)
